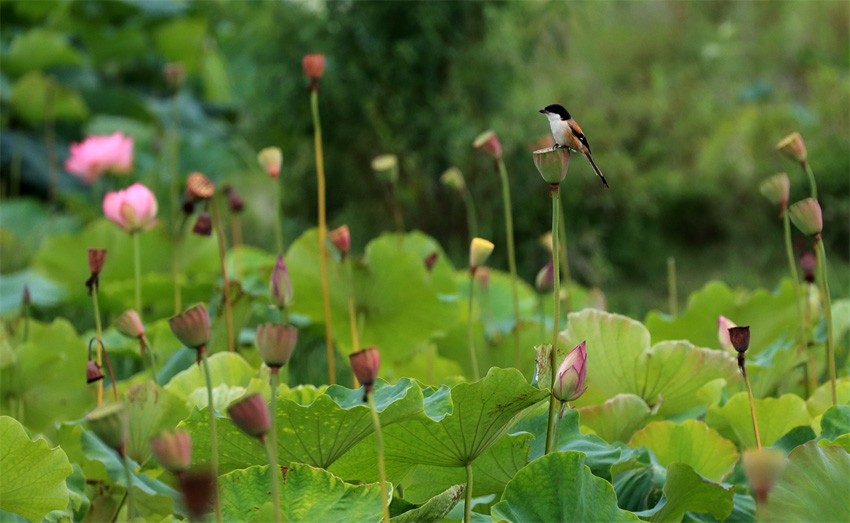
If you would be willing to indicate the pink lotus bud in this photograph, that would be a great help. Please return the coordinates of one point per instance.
(552, 164)
(130, 325)
(199, 187)
(763, 467)
(740, 338)
(479, 250)
(109, 423)
(431, 260)
(173, 450)
(197, 487)
(572, 374)
(192, 326)
(314, 65)
(276, 343)
(365, 365)
(386, 167)
(133, 209)
(203, 225)
(793, 147)
(454, 178)
(808, 262)
(545, 279)
(341, 239)
(280, 285)
(488, 142)
(99, 154)
(806, 215)
(234, 202)
(776, 189)
(271, 159)
(93, 372)
(723, 326)
(251, 415)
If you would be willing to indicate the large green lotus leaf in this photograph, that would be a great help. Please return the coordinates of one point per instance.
(773, 312)
(570, 492)
(317, 434)
(775, 416)
(813, 487)
(426, 366)
(30, 92)
(835, 422)
(616, 419)
(443, 272)
(33, 475)
(457, 429)
(39, 48)
(151, 410)
(687, 491)
(43, 292)
(226, 368)
(433, 510)
(306, 494)
(771, 368)
(692, 443)
(46, 383)
(398, 303)
(821, 399)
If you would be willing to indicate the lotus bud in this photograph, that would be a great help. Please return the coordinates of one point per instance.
(488, 142)
(203, 225)
(454, 178)
(251, 415)
(130, 325)
(479, 250)
(234, 202)
(280, 285)
(314, 66)
(776, 189)
(763, 467)
(723, 326)
(365, 365)
(341, 239)
(276, 343)
(173, 450)
(431, 260)
(197, 487)
(199, 186)
(793, 147)
(569, 384)
(192, 326)
(386, 167)
(271, 158)
(175, 74)
(545, 279)
(482, 276)
(552, 164)
(806, 215)
(808, 262)
(93, 372)
(109, 423)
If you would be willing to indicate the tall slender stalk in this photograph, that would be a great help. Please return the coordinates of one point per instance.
(274, 379)
(471, 217)
(225, 282)
(813, 186)
(174, 195)
(323, 233)
(467, 507)
(827, 311)
(236, 231)
(152, 363)
(397, 215)
(17, 157)
(470, 338)
(509, 232)
(278, 231)
(565, 263)
(752, 403)
(672, 292)
(99, 330)
(556, 293)
(131, 507)
(352, 318)
(137, 271)
(795, 283)
(379, 441)
(213, 435)
(50, 144)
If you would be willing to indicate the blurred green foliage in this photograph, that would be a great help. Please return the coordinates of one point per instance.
(682, 103)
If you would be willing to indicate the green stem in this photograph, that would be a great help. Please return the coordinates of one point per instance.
(467, 507)
(542, 306)
(137, 271)
(152, 362)
(397, 215)
(509, 232)
(130, 499)
(471, 217)
(213, 435)
(752, 404)
(323, 233)
(795, 283)
(472, 357)
(278, 232)
(827, 311)
(553, 355)
(565, 263)
(672, 293)
(379, 441)
(50, 143)
(228, 311)
(812, 184)
(272, 443)
(99, 329)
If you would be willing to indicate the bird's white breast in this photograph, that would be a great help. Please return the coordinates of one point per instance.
(559, 129)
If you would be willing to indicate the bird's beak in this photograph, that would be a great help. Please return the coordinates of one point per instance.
(543, 111)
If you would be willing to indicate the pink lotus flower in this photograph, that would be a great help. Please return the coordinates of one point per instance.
(99, 154)
(723, 326)
(572, 375)
(133, 209)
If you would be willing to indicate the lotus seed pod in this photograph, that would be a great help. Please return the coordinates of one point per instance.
(740, 338)
(203, 225)
(552, 164)
(93, 372)
(276, 343)
(109, 423)
(97, 257)
(130, 325)
(479, 250)
(314, 65)
(793, 147)
(197, 487)
(570, 381)
(173, 450)
(271, 158)
(776, 189)
(251, 415)
(488, 142)
(806, 215)
(192, 326)
(453, 178)
(199, 187)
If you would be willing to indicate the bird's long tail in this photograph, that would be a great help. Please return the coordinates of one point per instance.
(598, 172)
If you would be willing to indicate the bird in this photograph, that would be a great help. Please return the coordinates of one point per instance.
(567, 133)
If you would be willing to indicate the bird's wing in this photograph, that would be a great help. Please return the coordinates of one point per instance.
(576, 130)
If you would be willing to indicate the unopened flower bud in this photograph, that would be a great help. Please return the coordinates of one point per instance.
(93, 372)
(386, 167)
(454, 178)
(763, 467)
(197, 487)
(569, 384)
(251, 415)
(203, 225)
(545, 279)
(109, 423)
(552, 164)
(130, 325)
(776, 189)
(314, 65)
(271, 159)
(479, 250)
(488, 142)
(723, 326)
(793, 147)
(806, 215)
(199, 186)
(365, 364)
(808, 262)
(173, 450)
(234, 202)
(431, 260)
(341, 239)
(192, 326)
(280, 285)
(276, 343)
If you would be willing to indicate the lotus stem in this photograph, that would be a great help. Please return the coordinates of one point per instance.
(471, 217)
(397, 215)
(795, 283)
(379, 441)
(565, 263)
(352, 318)
(102, 347)
(471, 339)
(236, 231)
(278, 232)
(271, 445)
(151, 361)
(213, 436)
(131, 507)
(173, 191)
(50, 144)
(137, 271)
(509, 232)
(555, 193)
(827, 311)
(812, 184)
(323, 233)
(467, 506)
(221, 251)
(743, 366)
(542, 306)
(672, 292)
(99, 330)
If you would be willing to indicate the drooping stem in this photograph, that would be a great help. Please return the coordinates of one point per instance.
(795, 283)
(131, 507)
(50, 144)
(278, 231)
(99, 330)
(470, 338)
(672, 292)
(556, 294)
(226, 284)
(509, 232)
(565, 264)
(812, 184)
(743, 366)
(274, 379)
(174, 196)
(827, 311)
(323, 233)
(471, 217)
(379, 441)
(137, 271)
(213, 436)
(467, 507)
